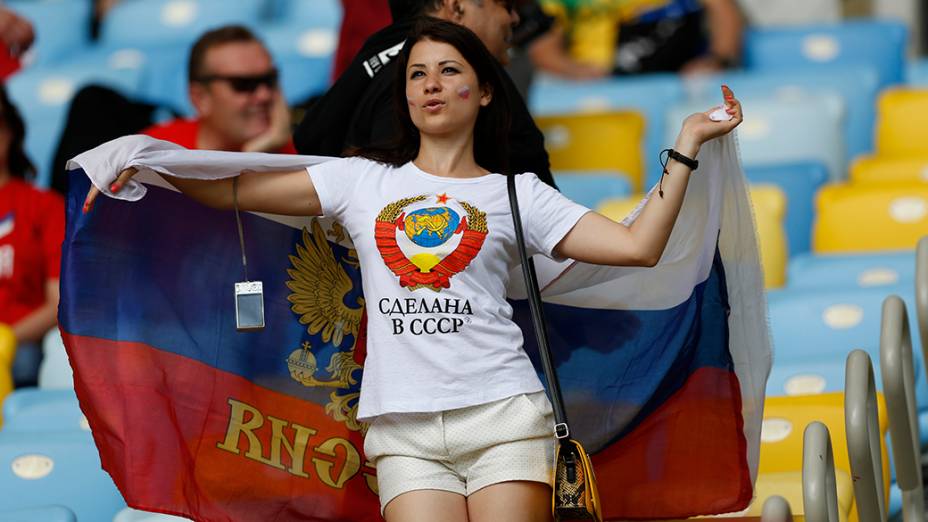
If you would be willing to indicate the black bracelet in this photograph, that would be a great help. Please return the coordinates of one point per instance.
(676, 156)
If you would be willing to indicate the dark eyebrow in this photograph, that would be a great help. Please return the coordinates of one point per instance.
(443, 62)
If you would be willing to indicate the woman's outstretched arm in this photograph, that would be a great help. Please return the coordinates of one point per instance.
(289, 193)
(597, 239)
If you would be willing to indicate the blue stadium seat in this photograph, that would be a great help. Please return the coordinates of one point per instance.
(62, 27)
(917, 73)
(55, 370)
(648, 94)
(879, 43)
(61, 468)
(849, 271)
(814, 329)
(35, 410)
(134, 515)
(36, 514)
(165, 77)
(784, 129)
(304, 53)
(799, 181)
(807, 376)
(301, 52)
(42, 95)
(858, 86)
(323, 13)
(812, 322)
(591, 188)
(173, 22)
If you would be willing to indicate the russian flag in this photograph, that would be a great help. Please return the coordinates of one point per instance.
(663, 369)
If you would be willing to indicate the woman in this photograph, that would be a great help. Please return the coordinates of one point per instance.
(460, 428)
(31, 232)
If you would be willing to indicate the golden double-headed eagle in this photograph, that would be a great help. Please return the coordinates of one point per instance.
(319, 286)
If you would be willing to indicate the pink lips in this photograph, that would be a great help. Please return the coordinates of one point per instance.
(434, 105)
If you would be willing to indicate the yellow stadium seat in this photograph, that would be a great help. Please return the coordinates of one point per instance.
(7, 352)
(780, 468)
(861, 218)
(769, 210)
(888, 170)
(901, 117)
(618, 208)
(597, 141)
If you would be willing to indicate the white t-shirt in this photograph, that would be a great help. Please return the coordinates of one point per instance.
(435, 256)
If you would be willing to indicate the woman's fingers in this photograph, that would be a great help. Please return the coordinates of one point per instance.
(91, 197)
(121, 180)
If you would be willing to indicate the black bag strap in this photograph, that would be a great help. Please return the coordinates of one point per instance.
(561, 431)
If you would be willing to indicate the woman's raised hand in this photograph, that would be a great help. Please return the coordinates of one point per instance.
(699, 128)
(121, 180)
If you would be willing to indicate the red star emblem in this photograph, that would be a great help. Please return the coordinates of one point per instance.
(443, 199)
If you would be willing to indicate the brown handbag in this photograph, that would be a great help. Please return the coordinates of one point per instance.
(575, 495)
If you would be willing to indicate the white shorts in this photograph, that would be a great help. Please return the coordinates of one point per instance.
(463, 450)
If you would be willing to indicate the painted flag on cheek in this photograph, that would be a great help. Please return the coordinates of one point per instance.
(663, 369)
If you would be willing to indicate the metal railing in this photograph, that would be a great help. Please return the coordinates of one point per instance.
(776, 509)
(819, 488)
(897, 368)
(862, 425)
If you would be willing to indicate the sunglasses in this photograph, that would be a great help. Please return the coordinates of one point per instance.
(244, 84)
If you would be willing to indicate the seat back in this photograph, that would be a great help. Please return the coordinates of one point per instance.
(878, 43)
(870, 218)
(783, 129)
(163, 22)
(601, 141)
(591, 188)
(837, 271)
(649, 95)
(43, 514)
(769, 207)
(60, 468)
(799, 182)
(899, 130)
(7, 352)
(858, 96)
(886, 170)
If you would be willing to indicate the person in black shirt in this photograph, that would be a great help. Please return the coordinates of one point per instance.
(357, 111)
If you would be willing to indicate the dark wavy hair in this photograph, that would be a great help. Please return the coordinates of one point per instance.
(19, 163)
(491, 131)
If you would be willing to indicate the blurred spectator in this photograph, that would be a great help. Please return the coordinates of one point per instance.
(641, 36)
(357, 110)
(542, 38)
(84, 129)
(233, 88)
(100, 8)
(31, 232)
(538, 43)
(16, 36)
(360, 19)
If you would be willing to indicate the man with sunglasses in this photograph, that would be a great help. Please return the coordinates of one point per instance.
(357, 111)
(233, 88)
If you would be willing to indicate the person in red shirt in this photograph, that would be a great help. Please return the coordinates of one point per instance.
(360, 19)
(31, 233)
(233, 88)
